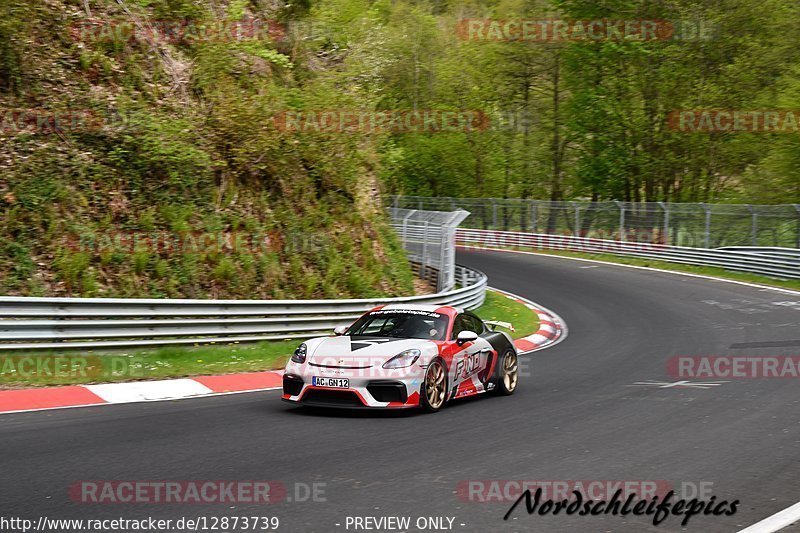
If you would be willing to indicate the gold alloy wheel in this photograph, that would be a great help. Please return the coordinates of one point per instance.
(435, 385)
(510, 371)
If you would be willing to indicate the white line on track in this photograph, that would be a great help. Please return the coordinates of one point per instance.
(609, 263)
(776, 522)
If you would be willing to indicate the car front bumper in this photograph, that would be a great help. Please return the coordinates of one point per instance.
(368, 387)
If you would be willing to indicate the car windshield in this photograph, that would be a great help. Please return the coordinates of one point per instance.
(401, 324)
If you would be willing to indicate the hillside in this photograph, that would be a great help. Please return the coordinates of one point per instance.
(138, 158)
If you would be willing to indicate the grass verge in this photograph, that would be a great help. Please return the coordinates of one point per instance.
(498, 307)
(76, 368)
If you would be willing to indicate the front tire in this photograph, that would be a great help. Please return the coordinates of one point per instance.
(433, 392)
(508, 373)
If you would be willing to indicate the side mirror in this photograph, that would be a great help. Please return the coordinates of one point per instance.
(339, 330)
(465, 337)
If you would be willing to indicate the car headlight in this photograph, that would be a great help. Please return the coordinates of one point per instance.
(403, 359)
(300, 354)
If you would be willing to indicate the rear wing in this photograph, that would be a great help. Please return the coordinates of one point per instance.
(496, 323)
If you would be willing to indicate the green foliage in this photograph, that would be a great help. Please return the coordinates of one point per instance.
(258, 49)
(163, 155)
(12, 47)
(71, 267)
(572, 119)
(184, 187)
(188, 143)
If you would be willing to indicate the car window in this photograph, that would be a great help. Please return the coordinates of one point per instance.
(404, 325)
(376, 327)
(459, 325)
(465, 322)
(475, 324)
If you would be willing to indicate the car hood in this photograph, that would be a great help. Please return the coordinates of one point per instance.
(362, 352)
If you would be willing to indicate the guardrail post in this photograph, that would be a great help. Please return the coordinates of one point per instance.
(707, 238)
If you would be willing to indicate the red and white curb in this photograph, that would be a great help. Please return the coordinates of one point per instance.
(37, 399)
(552, 329)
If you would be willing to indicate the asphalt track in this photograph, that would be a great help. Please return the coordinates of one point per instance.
(576, 417)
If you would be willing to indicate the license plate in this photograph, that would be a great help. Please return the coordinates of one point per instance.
(337, 383)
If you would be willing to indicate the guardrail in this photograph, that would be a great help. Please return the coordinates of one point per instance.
(95, 323)
(778, 263)
(790, 254)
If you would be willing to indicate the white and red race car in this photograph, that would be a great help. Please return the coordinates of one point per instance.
(402, 356)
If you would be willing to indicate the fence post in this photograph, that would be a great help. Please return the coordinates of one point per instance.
(404, 237)
(754, 226)
(577, 207)
(621, 207)
(424, 261)
(494, 213)
(707, 238)
(534, 215)
(441, 278)
(797, 208)
(666, 221)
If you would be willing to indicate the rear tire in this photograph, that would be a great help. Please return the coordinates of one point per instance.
(507, 373)
(433, 392)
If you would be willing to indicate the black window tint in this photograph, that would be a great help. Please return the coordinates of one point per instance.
(459, 325)
(401, 325)
(475, 324)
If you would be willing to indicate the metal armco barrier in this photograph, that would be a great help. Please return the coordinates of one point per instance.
(93, 323)
(774, 262)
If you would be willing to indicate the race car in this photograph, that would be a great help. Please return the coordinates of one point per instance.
(403, 356)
